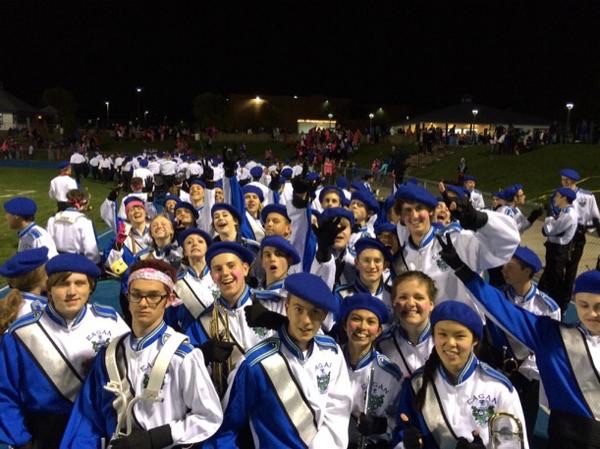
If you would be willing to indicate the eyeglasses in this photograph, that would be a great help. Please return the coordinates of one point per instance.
(152, 298)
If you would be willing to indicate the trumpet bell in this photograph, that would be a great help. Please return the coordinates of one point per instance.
(506, 431)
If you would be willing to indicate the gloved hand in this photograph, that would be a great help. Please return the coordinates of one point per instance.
(462, 210)
(229, 162)
(275, 183)
(113, 194)
(121, 235)
(477, 443)
(411, 437)
(535, 214)
(258, 315)
(326, 234)
(208, 173)
(149, 184)
(372, 425)
(451, 257)
(216, 350)
(156, 438)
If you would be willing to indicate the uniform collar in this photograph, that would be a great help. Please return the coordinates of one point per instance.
(358, 284)
(424, 335)
(464, 374)
(513, 296)
(189, 270)
(137, 344)
(272, 292)
(164, 252)
(58, 319)
(425, 241)
(24, 231)
(33, 297)
(291, 346)
(365, 360)
(240, 301)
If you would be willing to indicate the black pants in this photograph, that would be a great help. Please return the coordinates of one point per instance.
(46, 429)
(553, 278)
(577, 245)
(566, 431)
(529, 392)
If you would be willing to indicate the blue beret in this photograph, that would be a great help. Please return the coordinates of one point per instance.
(229, 247)
(313, 289)
(219, 184)
(283, 245)
(469, 178)
(171, 197)
(249, 188)
(568, 193)
(21, 206)
(509, 193)
(388, 203)
(366, 302)
(341, 182)
(588, 282)
(312, 176)
(498, 194)
(529, 258)
(366, 198)
(132, 198)
(570, 173)
(161, 154)
(23, 262)
(518, 186)
(63, 164)
(286, 173)
(357, 185)
(75, 263)
(386, 226)
(416, 194)
(185, 205)
(457, 190)
(332, 212)
(452, 310)
(229, 208)
(371, 243)
(274, 208)
(325, 190)
(199, 182)
(144, 163)
(189, 231)
(256, 171)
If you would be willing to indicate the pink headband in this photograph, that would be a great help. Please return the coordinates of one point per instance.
(152, 275)
(134, 203)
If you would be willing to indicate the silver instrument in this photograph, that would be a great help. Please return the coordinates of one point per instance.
(506, 431)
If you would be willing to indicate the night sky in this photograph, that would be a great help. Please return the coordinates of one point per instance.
(532, 58)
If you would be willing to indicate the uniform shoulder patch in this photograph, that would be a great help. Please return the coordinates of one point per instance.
(325, 341)
(25, 320)
(104, 311)
(586, 192)
(552, 305)
(35, 233)
(491, 372)
(180, 275)
(388, 366)
(262, 350)
(182, 350)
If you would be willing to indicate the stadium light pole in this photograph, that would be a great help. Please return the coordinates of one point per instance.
(569, 106)
(474, 112)
(139, 102)
(107, 103)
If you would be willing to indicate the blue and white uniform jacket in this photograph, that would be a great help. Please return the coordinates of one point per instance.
(455, 409)
(561, 230)
(409, 357)
(34, 236)
(491, 246)
(31, 303)
(45, 359)
(187, 401)
(292, 398)
(73, 232)
(568, 357)
(382, 378)
(382, 293)
(586, 207)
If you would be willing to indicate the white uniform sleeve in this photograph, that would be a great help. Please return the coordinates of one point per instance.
(300, 228)
(491, 246)
(511, 403)
(204, 221)
(333, 431)
(205, 413)
(107, 213)
(88, 239)
(554, 226)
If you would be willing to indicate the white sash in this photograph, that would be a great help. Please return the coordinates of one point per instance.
(301, 415)
(51, 360)
(583, 367)
(190, 299)
(389, 346)
(434, 416)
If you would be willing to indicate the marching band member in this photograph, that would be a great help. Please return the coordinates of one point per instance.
(20, 216)
(408, 341)
(375, 379)
(253, 200)
(46, 354)
(276, 221)
(163, 246)
(26, 276)
(566, 356)
(61, 184)
(292, 388)
(475, 196)
(148, 388)
(452, 398)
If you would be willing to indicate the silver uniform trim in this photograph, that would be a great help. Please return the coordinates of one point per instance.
(298, 411)
(583, 368)
(434, 416)
(51, 361)
(192, 302)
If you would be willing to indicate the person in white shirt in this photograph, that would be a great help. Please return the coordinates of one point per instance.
(61, 184)
(78, 164)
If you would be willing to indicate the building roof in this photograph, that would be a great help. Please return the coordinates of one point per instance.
(11, 104)
(463, 113)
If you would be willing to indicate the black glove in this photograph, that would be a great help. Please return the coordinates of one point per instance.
(229, 162)
(208, 173)
(451, 257)
(258, 315)
(535, 214)
(216, 350)
(465, 213)
(113, 194)
(300, 184)
(149, 184)
(411, 437)
(372, 425)
(156, 438)
(477, 443)
(326, 234)
(275, 183)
